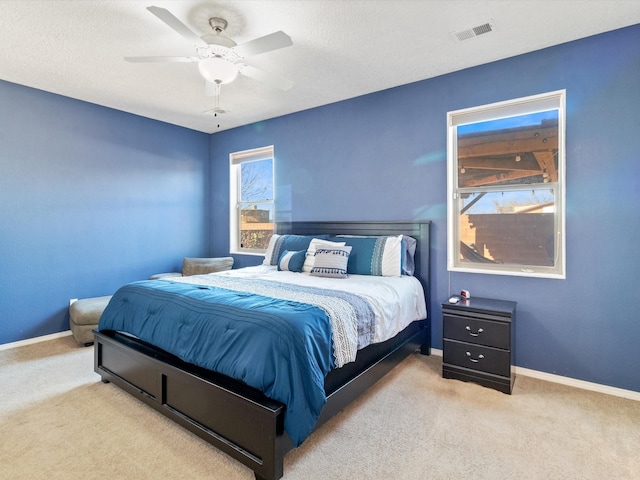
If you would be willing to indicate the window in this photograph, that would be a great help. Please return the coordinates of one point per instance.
(505, 181)
(251, 200)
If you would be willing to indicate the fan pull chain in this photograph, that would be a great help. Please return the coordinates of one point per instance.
(218, 90)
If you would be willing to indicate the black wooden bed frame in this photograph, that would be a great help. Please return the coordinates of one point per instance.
(236, 418)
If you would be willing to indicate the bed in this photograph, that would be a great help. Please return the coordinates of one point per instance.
(241, 420)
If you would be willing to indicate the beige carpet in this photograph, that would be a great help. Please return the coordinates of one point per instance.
(58, 421)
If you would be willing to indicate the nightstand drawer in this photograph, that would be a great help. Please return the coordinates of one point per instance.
(473, 330)
(482, 359)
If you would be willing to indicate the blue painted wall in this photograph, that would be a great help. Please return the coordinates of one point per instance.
(90, 198)
(383, 157)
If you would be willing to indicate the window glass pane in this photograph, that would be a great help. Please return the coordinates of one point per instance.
(256, 226)
(256, 181)
(514, 228)
(519, 150)
(506, 180)
(252, 205)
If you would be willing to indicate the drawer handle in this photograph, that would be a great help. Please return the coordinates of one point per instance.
(468, 328)
(475, 360)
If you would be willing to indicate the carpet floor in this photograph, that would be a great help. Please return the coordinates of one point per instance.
(59, 421)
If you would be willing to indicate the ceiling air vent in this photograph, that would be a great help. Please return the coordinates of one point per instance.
(474, 31)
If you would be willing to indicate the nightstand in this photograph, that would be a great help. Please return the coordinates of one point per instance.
(478, 342)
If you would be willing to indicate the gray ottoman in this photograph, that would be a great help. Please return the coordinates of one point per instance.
(198, 266)
(84, 316)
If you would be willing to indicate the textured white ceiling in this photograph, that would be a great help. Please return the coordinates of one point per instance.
(342, 49)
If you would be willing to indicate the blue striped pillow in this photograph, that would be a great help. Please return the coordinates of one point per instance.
(292, 261)
(375, 255)
(280, 243)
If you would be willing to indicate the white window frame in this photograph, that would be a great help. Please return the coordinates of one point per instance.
(236, 160)
(511, 108)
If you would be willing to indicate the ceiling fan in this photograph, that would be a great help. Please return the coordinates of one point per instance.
(219, 58)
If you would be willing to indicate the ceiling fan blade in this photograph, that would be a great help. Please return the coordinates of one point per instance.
(270, 79)
(167, 17)
(211, 89)
(160, 59)
(273, 41)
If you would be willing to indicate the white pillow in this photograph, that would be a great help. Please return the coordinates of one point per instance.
(392, 258)
(269, 253)
(331, 262)
(310, 258)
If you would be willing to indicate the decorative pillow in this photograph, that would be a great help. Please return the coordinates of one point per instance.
(331, 262)
(374, 255)
(311, 251)
(280, 243)
(291, 261)
(408, 255)
(269, 253)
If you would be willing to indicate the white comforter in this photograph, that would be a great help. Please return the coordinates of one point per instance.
(396, 301)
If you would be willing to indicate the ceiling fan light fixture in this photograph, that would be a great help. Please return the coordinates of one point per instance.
(218, 70)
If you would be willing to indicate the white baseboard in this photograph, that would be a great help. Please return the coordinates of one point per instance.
(30, 341)
(549, 377)
(571, 382)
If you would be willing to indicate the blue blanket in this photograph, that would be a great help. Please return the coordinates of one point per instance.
(281, 347)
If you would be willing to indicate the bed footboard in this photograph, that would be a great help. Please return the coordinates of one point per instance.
(236, 419)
